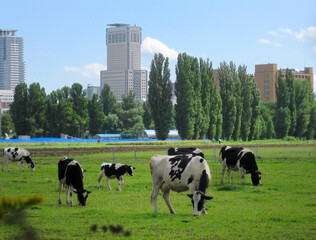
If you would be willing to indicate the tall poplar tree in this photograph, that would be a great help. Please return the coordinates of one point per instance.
(206, 78)
(195, 79)
(185, 97)
(238, 101)
(291, 82)
(159, 95)
(228, 100)
(246, 98)
(283, 117)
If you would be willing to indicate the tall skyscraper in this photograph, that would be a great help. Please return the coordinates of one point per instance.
(11, 60)
(124, 71)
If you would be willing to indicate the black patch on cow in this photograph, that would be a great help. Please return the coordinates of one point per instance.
(16, 149)
(204, 182)
(62, 165)
(109, 170)
(190, 180)
(178, 165)
(201, 160)
(248, 162)
(232, 156)
(189, 150)
(8, 150)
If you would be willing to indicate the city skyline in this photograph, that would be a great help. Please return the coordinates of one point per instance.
(64, 42)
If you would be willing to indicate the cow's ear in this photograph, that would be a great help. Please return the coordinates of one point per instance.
(84, 170)
(190, 196)
(133, 167)
(75, 191)
(207, 197)
(88, 192)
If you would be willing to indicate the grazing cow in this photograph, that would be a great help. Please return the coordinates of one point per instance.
(177, 151)
(112, 170)
(70, 174)
(19, 155)
(241, 159)
(180, 173)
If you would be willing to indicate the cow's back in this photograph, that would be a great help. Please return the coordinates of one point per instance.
(15, 153)
(62, 166)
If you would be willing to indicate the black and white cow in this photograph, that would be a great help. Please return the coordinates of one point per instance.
(241, 159)
(70, 174)
(191, 150)
(112, 170)
(180, 173)
(19, 155)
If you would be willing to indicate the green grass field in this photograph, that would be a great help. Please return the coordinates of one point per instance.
(283, 207)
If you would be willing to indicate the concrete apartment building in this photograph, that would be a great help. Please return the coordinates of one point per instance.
(124, 71)
(266, 77)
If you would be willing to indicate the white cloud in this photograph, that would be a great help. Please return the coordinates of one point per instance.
(272, 33)
(151, 45)
(314, 49)
(265, 41)
(286, 30)
(91, 70)
(307, 35)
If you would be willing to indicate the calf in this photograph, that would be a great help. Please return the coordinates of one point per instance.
(70, 174)
(19, 155)
(241, 159)
(112, 170)
(180, 173)
(191, 150)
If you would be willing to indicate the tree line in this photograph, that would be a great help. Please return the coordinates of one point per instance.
(230, 110)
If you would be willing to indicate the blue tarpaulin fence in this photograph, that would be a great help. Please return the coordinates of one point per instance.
(75, 140)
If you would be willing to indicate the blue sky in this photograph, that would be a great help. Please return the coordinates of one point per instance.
(64, 40)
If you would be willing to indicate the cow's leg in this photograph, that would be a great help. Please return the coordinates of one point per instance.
(68, 195)
(154, 192)
(22, 163)
(108, 183)
(100, 177)
(229, 176)
(17, 168)
(223, 171)
(122, 180)
(59, 191)
(166, 197)
(242, 174)
(119, 183)
(8, 165)
(3, 163)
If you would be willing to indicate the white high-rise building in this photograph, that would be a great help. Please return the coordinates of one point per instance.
(124, 71)
(11, 60)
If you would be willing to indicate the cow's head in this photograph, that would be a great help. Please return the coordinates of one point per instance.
(198, 201)
(198, 197)
(29, 162)
(256, 177)
(130, 170)
(82, 196)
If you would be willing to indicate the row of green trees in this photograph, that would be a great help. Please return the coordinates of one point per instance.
(233, 109)
(68, 111)
(229, 108)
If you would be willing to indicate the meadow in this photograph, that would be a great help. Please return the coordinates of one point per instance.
(283, 207)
